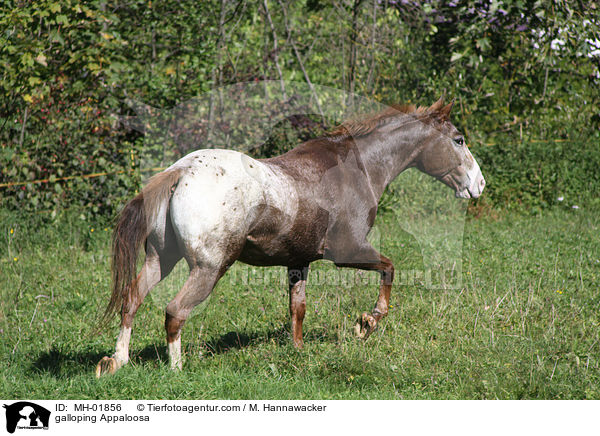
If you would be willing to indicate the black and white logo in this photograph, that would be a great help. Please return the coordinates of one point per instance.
(26, 415)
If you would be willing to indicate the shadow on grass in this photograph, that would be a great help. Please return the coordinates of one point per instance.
(237, 340)
(60, 364)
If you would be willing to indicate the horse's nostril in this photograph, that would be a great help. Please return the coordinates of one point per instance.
(481, 183)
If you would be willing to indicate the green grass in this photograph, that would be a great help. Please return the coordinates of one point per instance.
(524, 323)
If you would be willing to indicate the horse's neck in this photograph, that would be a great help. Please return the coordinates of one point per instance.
(386, 154)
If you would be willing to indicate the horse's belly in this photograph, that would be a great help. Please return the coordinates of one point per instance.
(259, 253)
(278, 239)
(255, 255)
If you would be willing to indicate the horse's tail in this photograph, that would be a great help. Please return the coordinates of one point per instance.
(135, 222)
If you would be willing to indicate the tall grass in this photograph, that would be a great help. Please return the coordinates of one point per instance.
(523, 324)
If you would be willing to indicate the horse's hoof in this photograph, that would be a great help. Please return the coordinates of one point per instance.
(108, 365)
(365, 325)
(299, 345)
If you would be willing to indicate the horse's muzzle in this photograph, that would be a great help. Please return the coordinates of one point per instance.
(477, 187)
(475, 184)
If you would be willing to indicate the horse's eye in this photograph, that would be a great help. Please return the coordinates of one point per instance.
(460, 140)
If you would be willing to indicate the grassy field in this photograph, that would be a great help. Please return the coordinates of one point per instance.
(524, 323)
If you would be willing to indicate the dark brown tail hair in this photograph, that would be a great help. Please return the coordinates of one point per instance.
(135, 222)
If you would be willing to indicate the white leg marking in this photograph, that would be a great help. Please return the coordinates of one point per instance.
(175, 354)
(122, 350)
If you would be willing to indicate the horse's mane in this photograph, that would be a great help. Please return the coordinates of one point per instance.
(437, 112)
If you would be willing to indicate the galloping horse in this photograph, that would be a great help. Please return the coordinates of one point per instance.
(319, 200)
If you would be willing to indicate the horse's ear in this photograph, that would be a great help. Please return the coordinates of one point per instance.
(435, 107)
(445, 111)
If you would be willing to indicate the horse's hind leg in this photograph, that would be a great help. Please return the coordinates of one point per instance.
(155, 268)
(197, 288)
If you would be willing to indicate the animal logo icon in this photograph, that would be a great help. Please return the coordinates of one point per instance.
(24, 414)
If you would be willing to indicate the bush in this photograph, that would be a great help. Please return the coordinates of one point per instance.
(524, 75)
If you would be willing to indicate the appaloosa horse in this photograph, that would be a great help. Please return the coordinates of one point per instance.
(319, 200)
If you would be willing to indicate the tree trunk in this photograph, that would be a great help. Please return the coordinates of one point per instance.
(275, 48)
(352, 60)
(216, 74)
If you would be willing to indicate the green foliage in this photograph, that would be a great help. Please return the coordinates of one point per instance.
(288, 133)
(66, 70)
(521, 67)
(537, 174)
(524, 74)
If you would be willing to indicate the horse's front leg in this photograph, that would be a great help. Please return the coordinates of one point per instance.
(297, 286)
(367, 322)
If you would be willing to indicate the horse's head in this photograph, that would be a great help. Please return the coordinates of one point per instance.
(445, 156)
